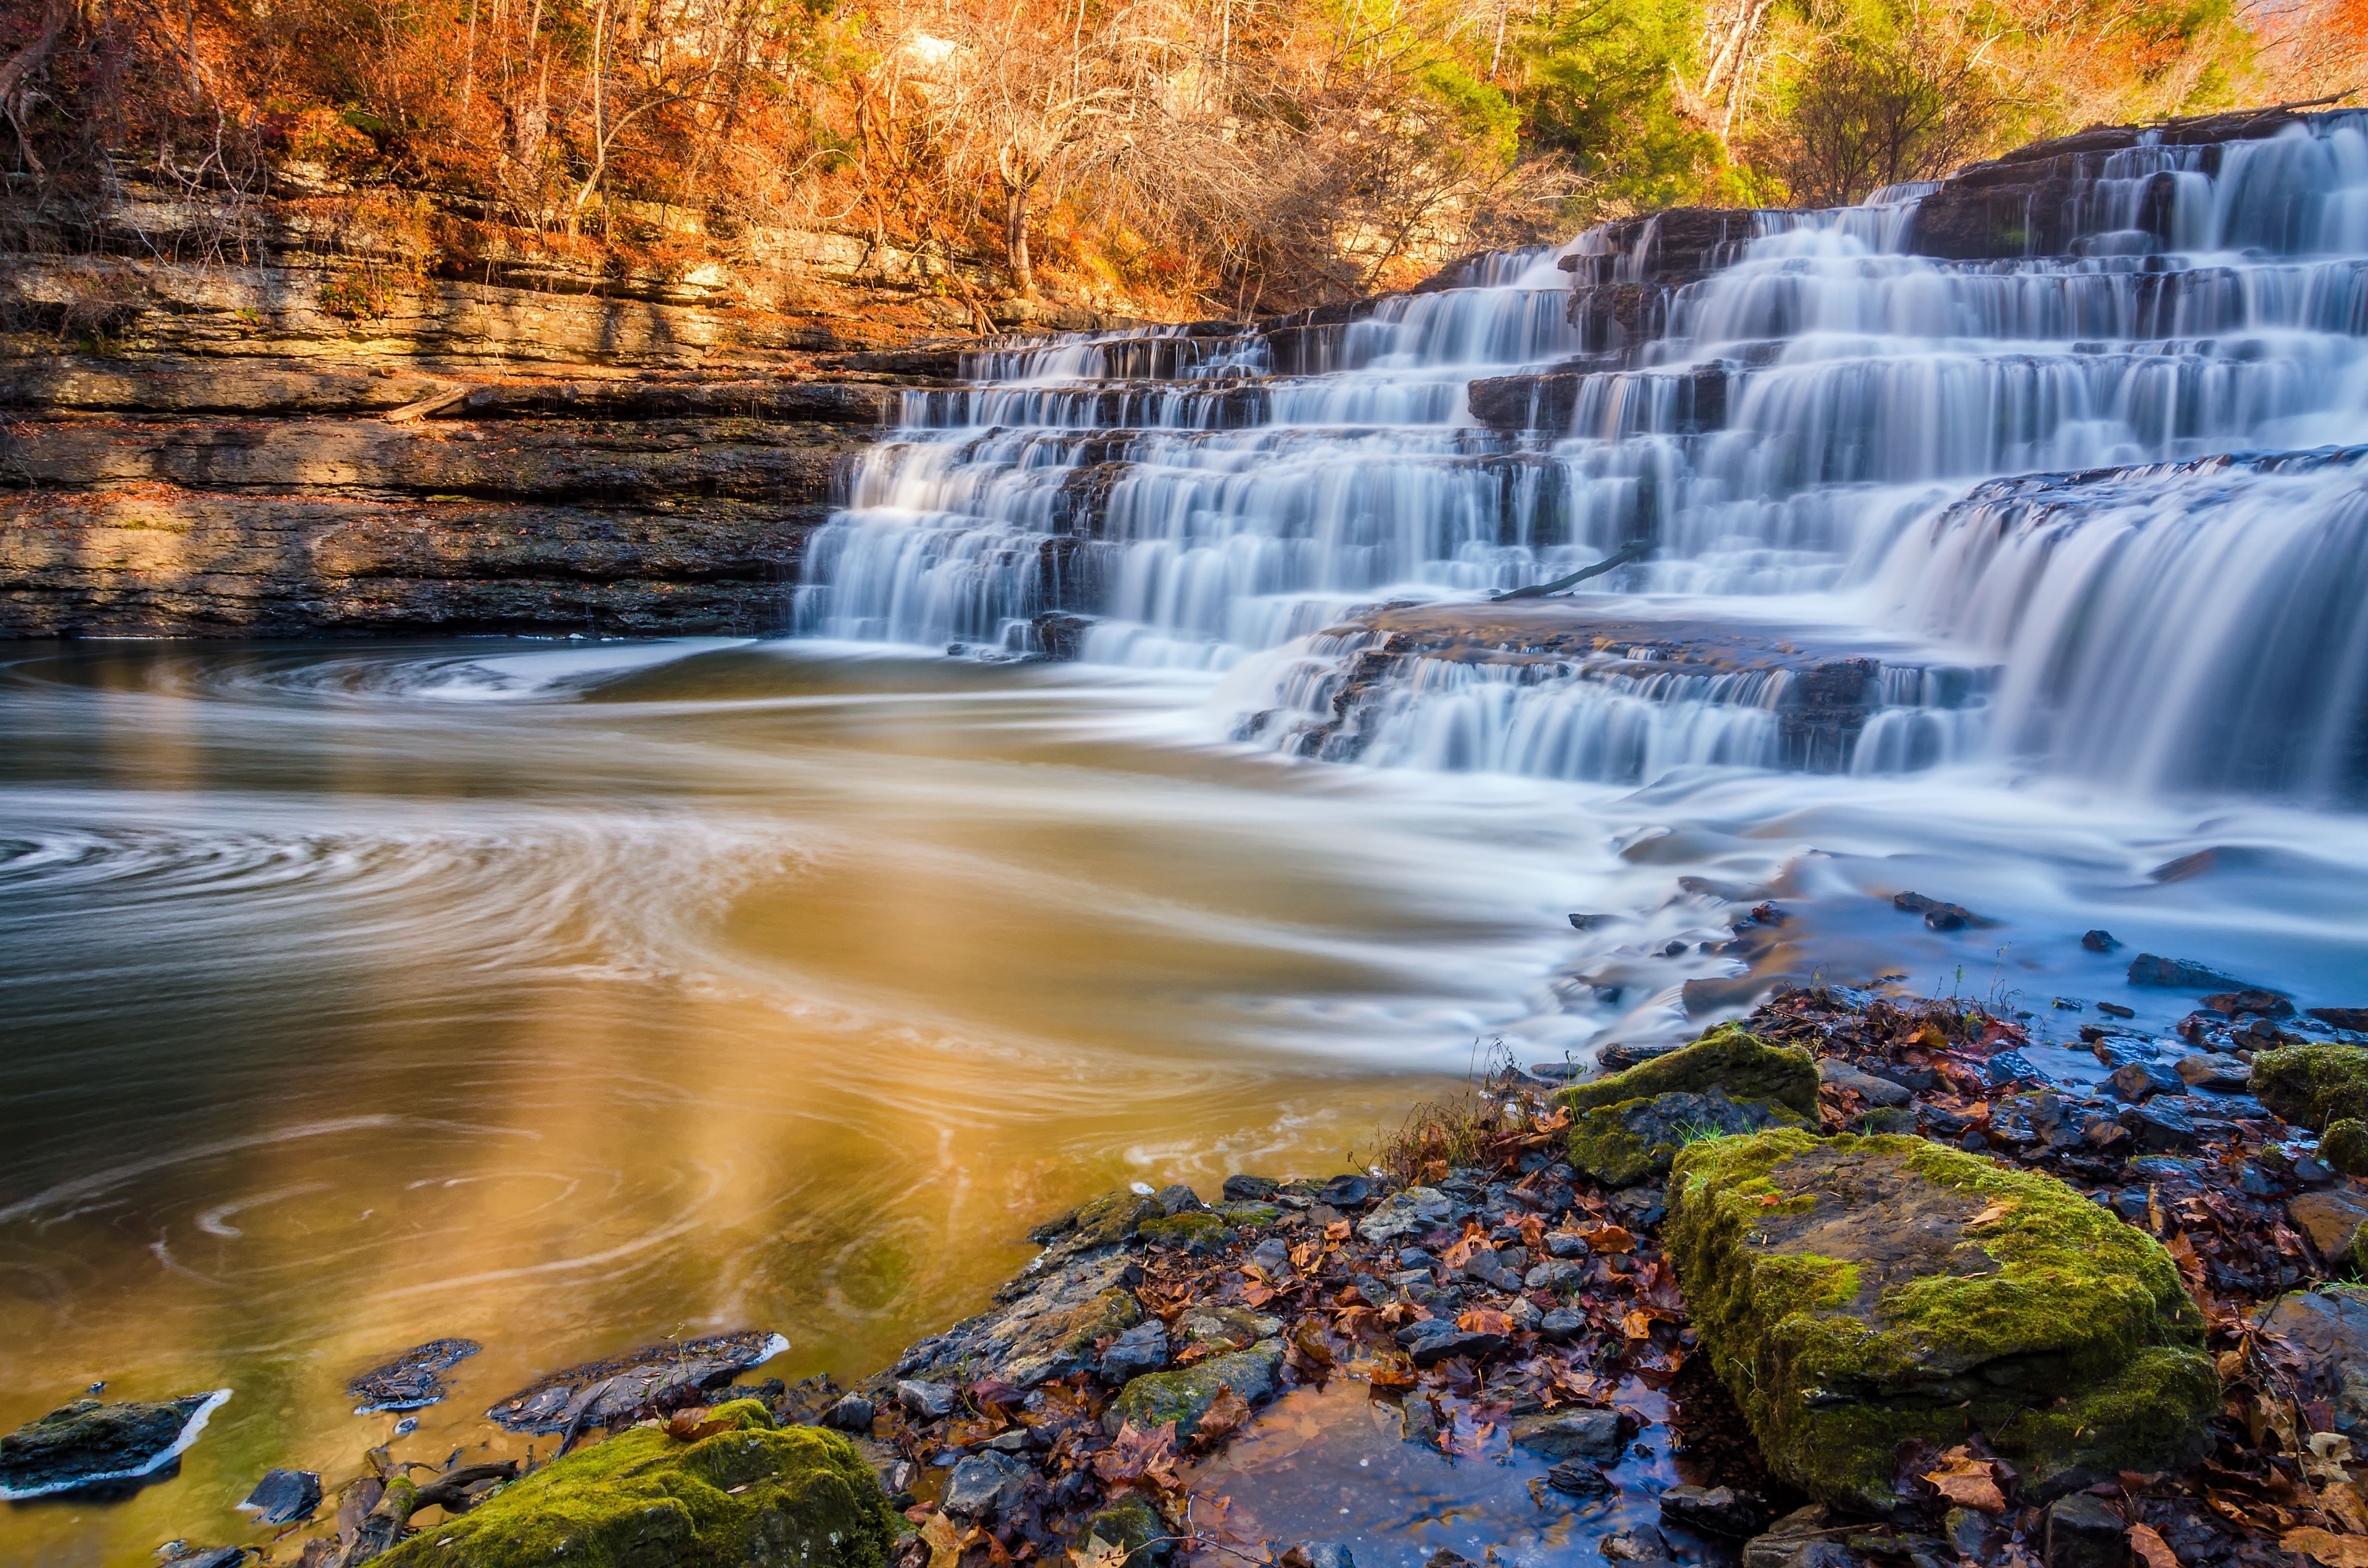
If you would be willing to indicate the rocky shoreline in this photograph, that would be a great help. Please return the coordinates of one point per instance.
(1849, 1284)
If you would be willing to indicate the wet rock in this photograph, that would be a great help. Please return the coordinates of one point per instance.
(2114, 1009)
(1800, 1539)
(1417, 1212)
(1230, 1327)
(87, 1443)
(181, 1554)
(1434, 1340)
(1894, 1289)
(2328, 1220)
(748, 1492)
(1555, 1274)
(2240, 1004)
(1641, 1544)
(1617, 1057)
(2214, 1074)
(1833, 1071)
(412, 1380)
(925, 1401)
(1346, 1192)
(1940, 916)
(1561, 1326)
(2354, 1018)
(1185, 1395)
(2098, 941)
(2327, 1325)
(1326, 1554)
(1112, 1218)
(1576, 1478)
(853, 1413)
(2143, 1080)
(1730, 1061)
(2344, 1146)
(283, 1496)
(1273, 1255)
(1249, 1214)
(661, 1376)
(1048, 1330)
(1178, 1198)
(2084, 1533)
(1572, 1433)
(1242, 1189)
(2311, 1086)
(1627, 1143)
(2147, 969)
(1721, 1510)
(2159, 1129)
(983, 1485)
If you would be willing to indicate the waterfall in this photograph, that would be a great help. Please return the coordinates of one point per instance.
(2088, 502)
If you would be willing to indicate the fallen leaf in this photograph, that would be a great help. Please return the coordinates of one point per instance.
(1392, 1371)
(1637, 1325)
(1221, 1419)
(1097, 1553)
(1967, 1481)
(2152, 1549)
(1337, 1230)
(2339, 1500)
(1608, 1239)
(946, 1542)
(1993, 1214)
(2335, 1551)
(1485, 1319)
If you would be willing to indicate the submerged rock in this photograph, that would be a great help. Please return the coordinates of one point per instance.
(283, 1496)
(88, 1443)
(748, 1494)
(1856, 1293)
(2148, 969)
(412, 1380)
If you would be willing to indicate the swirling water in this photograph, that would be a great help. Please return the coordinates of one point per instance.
(565, 999)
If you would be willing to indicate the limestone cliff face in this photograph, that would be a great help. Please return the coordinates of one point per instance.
(259, 498)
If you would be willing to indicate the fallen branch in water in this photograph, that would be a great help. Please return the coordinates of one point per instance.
(1634, 550)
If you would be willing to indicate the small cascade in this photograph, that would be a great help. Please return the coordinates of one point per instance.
(1975, 438)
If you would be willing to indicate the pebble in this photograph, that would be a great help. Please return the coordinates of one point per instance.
(931, 1402)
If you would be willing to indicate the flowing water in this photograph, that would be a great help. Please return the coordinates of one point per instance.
(571, 998)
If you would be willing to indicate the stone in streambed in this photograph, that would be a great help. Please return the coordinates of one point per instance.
(747, 1493)
(2344, 1147)
(283, 1496)
(1140, 1349)
(1130, 1521)
(1835, 1073)
(983, 1485)
(1856, 1293)
(88, 1443)
(2311, 1086)
(2082, 1532)
(1576, 1478)
(2148, 969)
(1195, 1231)
(1417, 1212)
(1572, 1433)
(1721, 1510)
(2330, 1221)
(412, 1381)
(1185, 1395)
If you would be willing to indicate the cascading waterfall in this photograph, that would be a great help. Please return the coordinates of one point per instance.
(1802, 422)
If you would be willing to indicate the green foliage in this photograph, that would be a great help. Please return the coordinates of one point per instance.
(2312, 1086)
(1482, 114)
(1599, 93)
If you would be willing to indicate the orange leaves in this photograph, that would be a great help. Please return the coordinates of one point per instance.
(2324, 1546)
(1141, 1457)
(689, 1425)
(1221, 1419)
(1606, 1241)
(1967, 1481)
(1485, 1319)
(1993, 1214)
(1392, 1372)
(2151, 1549)
(1471, 1240)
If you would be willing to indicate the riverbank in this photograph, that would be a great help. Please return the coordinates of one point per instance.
(1502, 1345)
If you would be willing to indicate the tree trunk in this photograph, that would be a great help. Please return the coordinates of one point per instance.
(1015, 238)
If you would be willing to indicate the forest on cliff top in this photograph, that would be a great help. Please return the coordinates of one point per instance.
(1201, 153)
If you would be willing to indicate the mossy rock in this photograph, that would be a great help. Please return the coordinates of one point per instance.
(2312, 1086)
(1185, 1395)
(1858, 1292)
(1197, 1231)
(1129, 1520)
(750, 1495)
(1247, 1213)
(1621, 1144)
(1111, 1218)
(1731, 1061)
(2344, 1146)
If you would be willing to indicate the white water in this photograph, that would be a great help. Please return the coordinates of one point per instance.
(1209, 495)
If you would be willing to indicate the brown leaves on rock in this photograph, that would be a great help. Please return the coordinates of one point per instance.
(689, 1425)
(1136, 1458)
(1224, 1417)
(1968, 1480)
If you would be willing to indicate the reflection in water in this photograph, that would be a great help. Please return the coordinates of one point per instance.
(565, 1001)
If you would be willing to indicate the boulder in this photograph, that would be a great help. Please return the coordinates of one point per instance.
(2327, 1327)
(983, 1485)
(1621, 1144)
(1185, 1395)
(1228, 1328)
(2330, 1219)
(1111, 1218)
(86, 1443)
(744, 1493)
(2148, 969)
(1196, 1230)
(1856, 1293)
(2311, 1086)
(1837, 1074)
(1737, 1064)
(2344, 1146)
(1129, 1520)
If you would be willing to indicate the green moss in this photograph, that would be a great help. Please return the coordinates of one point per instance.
(1185, 1395)
(2312, 1086)
(1199, 1230)
(751, 1495)
(1740, 1065)
(2344, 1146)
(1247, 1213)
(1856, 1292)
(1111, 1218)
(2360, 1252)
(1621, 1144)
(1131, 1522)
